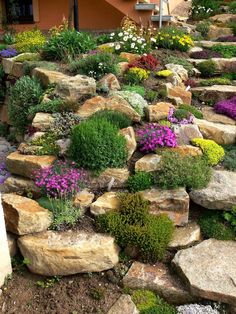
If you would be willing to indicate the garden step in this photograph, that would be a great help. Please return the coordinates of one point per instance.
(67, 253)
(220, 193)
(159, 279)
(223, 134)
(165, 18)
(209, 44)
(210, 115)
(146, 7)
(124, 305)
(24, 215)
(209, 268)
(224, 65)
(26, 165)
(214, 93)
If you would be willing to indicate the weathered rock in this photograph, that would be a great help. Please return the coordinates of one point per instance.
(122, 67)
(26, 165)
(105, 203)
(124, 305)
(214, 93)
(131, 143)
(108, 83)
(209, 44)
(11, 240)
(20, 185)
(83, 200)
(28, 149)
(220, 133)
(43, 121)
(209, 269)
(129, 56)
(111, 178)
(159, 111)
(185, 133)
(8, 63)
(76, 87)
(210, 115)
(220, 192)
(17, 69)
(184, 150)
(215, 32)
(223, 65)
(174, 203)
(64, 145)
(185, 236)
(223, 18)
(148, 163)
(159, 279)
(67, 253)
(179, 92)
(23, 215)
(197, 309)
(180, 74)
(48, 77)
(91, 106)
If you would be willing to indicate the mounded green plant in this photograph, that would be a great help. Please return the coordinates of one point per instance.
(119, 119)
(230, 158)
(134, 89)
(213, 225)
(227, 51)
(213, 152)
(67, 44)
(47, 144)
(215, 81)
(203, 27)
(96, 145)
(140, 181)
(52, 106)
(197, 113)
(23, 95)
(207, 68)
(95, 65)
(230, 216)
(232, 7)
(132, 225)
(152, 95)
(182, 171)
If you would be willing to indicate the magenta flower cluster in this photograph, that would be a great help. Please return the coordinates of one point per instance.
(171, 117)
(61, 179)
(153, 136)
(227, 107)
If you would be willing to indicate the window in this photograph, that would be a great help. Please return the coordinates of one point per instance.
(19, 11)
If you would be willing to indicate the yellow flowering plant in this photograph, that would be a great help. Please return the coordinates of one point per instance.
(30, 41)
(136, 75)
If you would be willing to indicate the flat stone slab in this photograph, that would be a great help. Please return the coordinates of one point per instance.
(111, 178)
(185, 236)
(24, 215)
(209, 269)
(209, 44)
(214, 93)
(219, 194)
(226, 65)
(26, 165)
(210, 115)
(20, 185)
(174, 203)
(124, 305)
(67, 253)
(159, 279)
(105, 203)
(148, 163)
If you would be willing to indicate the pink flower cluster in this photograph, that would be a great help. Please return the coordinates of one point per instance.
(153, 136)
(171, 117)
(60, 180)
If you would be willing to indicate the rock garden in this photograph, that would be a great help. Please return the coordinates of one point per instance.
(118, 162)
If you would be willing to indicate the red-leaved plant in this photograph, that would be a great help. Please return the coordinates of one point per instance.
(146, 62)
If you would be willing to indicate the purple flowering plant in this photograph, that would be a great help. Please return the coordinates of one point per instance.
(8, 53)
(176, 120)
(153, 136)
(227, 107)
(4, 174)
(205, 54)
(229, 38)
(60, 180)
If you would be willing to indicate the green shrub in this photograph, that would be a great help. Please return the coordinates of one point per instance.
(203, 27)
(230, 217)
(227, 51)
(152, 95)
(229, 76)
(23, 95)
(134, 89)
(182, 171)
(213, 152)
(232, 7)
(207, 68)
(9, 38)
(230, 158)
(181, 114)
(47, 143)
(63, 211)
(3, 129)
(30, 41)
(214, 226)
(119, 119)
(96, 65)
(67, 44)
(28, 66)
(215, 81)
(139, 181)
(181, 61)
(197, 113)
(96, 145)
(132, 225)
(52, 106)
(232, 25)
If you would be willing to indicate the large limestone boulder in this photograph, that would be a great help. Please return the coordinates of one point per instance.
(20, 185)
(148, 163)
(178, 92)
(91, 106)
(220, 133)
(76, 87)
(185, 236)
(124, 305)
(174, 203)
(43, 121)
(111, 178)
(108, 83)
(26, 165)
(67, 253)
(210, 115)
(23, 215)
(48, 77)
(159, 279)
(159, 111)
(185, 133)
(220, 192)
(131, 143)
(209, 269)
(184, 150)
(215, 32)
(223, 18)
(105, 203)
(214, 93)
